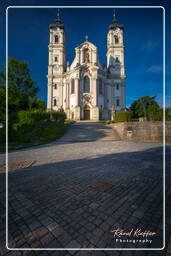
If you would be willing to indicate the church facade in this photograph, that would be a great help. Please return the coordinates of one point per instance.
(86, 90)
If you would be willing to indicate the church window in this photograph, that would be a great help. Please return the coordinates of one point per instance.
(72, 86)
(56, 39)
(55, 86)
(86, 84)
(55, 102)
(100, 86)
(117, 103)
(116, 40)
(117, 86)
(56, 58)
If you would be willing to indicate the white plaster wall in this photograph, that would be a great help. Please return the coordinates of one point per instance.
(72, 100)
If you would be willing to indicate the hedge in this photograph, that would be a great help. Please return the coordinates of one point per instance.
(125, 116)
(34, 125)
(36, 116)
(32, 132)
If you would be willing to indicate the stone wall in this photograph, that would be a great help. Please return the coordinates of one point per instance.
(143, 131)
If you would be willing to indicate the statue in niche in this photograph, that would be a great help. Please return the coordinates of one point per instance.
(86, 56)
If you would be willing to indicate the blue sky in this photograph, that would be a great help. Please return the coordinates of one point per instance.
(29, 37)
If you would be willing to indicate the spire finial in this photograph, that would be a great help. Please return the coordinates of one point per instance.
(58, 14)
(86, 37)
(114, 14)
(114, 17)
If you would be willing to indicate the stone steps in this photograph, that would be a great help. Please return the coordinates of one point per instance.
(89, 131)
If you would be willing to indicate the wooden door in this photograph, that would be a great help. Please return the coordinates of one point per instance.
(86, 114)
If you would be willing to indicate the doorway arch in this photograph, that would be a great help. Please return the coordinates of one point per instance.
(86, 112)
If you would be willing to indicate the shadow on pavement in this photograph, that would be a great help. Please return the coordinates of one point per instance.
(53, 204)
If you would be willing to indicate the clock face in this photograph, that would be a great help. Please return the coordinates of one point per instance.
(56, 67)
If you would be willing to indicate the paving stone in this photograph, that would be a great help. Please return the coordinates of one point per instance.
(105, 226)
(90, 226)
(65, 239)
(46, 239)
(56, 190)
(138, 214)
(94, 205)
(73, 244)
(52, 226)
(57, 232)
(98, 232)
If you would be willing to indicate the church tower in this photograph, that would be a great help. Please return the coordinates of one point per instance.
(57, 64)
(115, 63)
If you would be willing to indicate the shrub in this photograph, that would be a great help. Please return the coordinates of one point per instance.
(33, 116)
(125, 116)
(24, 133)
(58, 116)
(36, 116)
(154, 113)
(36, 125)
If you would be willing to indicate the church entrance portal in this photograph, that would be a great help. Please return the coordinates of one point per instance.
(86, 113)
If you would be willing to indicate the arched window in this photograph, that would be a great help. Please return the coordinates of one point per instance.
(86, 85)
(56, 39)
(72, 86)
(54, 102)
(117, 59)
(117, 102)
(100, 86)
(116, 40)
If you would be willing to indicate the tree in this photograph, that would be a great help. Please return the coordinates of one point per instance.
(36, 103)
(154, 113)
(21, 87)
(141, 107)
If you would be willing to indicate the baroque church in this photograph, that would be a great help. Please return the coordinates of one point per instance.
(86, 89)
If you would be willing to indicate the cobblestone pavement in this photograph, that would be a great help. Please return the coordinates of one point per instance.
(52, 205)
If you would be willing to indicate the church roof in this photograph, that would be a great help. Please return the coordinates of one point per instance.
(86, 42)
(115, 23)
(58, 23)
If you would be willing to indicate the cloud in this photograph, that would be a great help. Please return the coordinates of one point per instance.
(155, 69)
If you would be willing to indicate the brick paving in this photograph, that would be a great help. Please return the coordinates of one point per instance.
(52, 205)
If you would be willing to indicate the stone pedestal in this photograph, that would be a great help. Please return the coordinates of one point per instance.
(113, 112)
(77, 113)
(95, 114)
